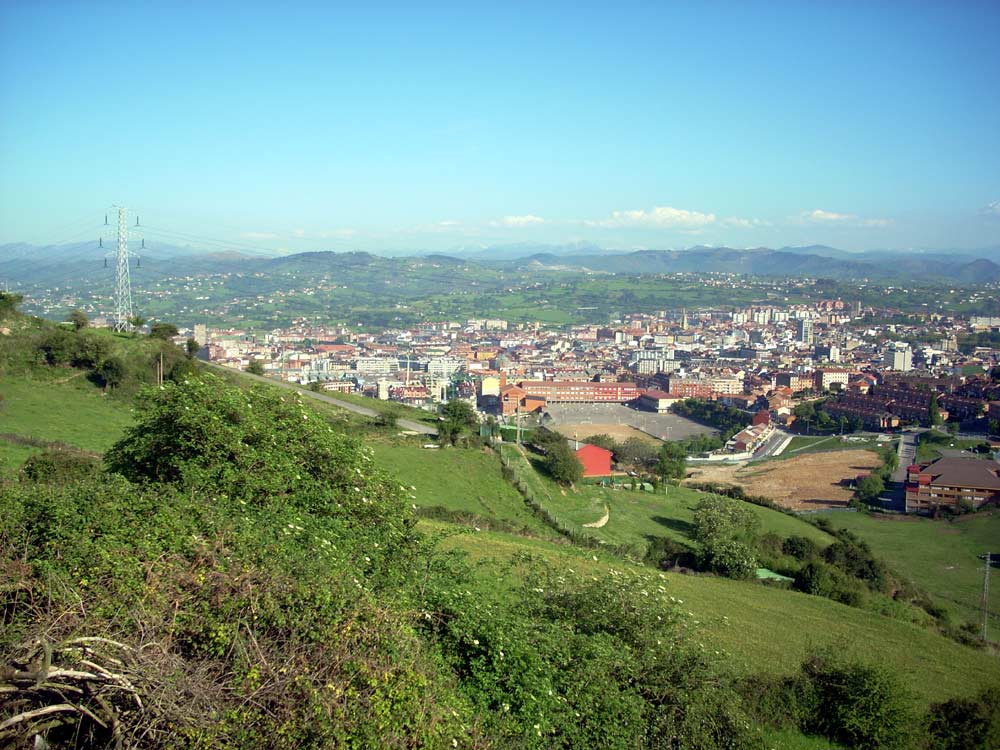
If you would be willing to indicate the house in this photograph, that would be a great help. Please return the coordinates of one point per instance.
(596, 461)
(656, 401)
(951, 483)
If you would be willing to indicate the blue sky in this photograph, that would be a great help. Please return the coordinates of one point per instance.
(417, 126)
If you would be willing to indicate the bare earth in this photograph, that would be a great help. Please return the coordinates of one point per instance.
(620, 432)
(810, 482)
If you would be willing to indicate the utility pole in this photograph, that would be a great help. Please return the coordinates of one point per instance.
(988, 557)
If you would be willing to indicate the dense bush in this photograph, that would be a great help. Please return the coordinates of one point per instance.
(966, 723)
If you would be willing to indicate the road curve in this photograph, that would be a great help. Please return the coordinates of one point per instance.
(406, 424)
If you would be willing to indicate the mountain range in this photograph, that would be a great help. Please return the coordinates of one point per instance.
(68, 265)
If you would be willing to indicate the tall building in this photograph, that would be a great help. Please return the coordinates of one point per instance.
(899, 357)
(804, 330)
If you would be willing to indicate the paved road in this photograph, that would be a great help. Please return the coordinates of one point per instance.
(406, 424)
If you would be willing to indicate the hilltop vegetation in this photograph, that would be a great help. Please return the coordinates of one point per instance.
(242, 571)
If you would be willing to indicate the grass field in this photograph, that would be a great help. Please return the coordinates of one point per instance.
(812, 443)
(635, 517)
(760, 629)
(66, 409)
(459, 480)
(938, 556)
(930, 445)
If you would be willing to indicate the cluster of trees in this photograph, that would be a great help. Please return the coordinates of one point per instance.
(871, 486)
(726, 419)
(726, 531)
(818, 420)
(559, 458)
(666, 463)
(458, 418)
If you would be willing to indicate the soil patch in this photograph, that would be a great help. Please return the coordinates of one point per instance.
(811, 482)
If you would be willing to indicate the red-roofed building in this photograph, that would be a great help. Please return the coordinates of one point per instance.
(596, 461)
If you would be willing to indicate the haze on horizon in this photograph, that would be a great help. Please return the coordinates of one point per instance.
(432, 127)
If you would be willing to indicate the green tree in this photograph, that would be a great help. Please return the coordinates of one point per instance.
(79, 319)
(672, 461)
(933, 412)
(111, 372)
(870, 488)
(562, 464)
(8, 304)
(806, 412)
(192, 347)
(161, 330)
(137, 322)
(256, 367)
(726, 529)
(457, 418)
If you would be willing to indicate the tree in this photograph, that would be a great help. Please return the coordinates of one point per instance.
(8, 304)
(562, 463)
(933, 412)
(111, 372)
(994, 426)
(635, 452)
(806, 412)
(459, 412)
(256, 367)
(672, 461)
(137, 322)
(726, 530)
(870, 488)
(192, 347)
(953, 427)
(165, 331)
(79, 319)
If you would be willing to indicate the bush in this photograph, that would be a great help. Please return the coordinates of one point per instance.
(856, 704)
(800, 547)
(56, 466)
(966, 723)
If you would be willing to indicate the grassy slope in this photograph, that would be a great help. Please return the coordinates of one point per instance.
(636, 516)
(938, 556)
(58, 406)
(764, 629)
(801, 444)
(458, 479)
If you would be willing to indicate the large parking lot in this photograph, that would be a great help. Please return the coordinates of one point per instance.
(662, 426)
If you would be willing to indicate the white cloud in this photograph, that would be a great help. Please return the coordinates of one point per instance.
(991, 209)
(819, 216)
(658, 216)
(526, 220)
(735, 221)
(328, 234)
(828, 216)
(259, 236)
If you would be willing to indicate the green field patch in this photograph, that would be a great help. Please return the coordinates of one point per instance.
(760, 629)
(938, 556)
(64, 409)
(457, 479)
(636, 517)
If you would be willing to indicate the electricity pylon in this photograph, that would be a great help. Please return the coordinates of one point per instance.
(123, 281)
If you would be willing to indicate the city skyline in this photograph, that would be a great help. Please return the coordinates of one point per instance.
(439, 127)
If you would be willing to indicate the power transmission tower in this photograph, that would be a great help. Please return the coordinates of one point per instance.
(123, 281)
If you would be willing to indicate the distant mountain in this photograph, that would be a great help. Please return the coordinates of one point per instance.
(84, 263)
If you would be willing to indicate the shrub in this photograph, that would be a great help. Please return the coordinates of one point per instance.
(800, 547)
(60, 467)
(857, 704)
(966, 723)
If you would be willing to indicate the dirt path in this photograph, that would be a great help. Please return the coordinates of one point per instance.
(600, 523)
(809, 482)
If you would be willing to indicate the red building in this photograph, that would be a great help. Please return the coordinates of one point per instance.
(596, 461)
(579, 391)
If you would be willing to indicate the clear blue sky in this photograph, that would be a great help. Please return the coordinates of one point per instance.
(434, 126)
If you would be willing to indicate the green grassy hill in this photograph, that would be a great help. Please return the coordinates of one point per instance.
(764, 629)
(938, 556)
(57, 406)
(754, 628)
(634, 517)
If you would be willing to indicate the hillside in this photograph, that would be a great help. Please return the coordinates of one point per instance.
(417, 597)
